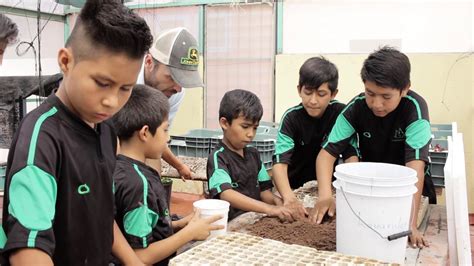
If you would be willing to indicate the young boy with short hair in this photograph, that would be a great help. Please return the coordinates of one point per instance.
(140, 197)
(392, 125)
(59, 203)
(303, 129)
(234, 170)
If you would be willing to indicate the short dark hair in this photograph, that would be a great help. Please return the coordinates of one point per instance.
(388, 68)
(109, 25)
(316, 71)
(240, 102)
(146, 106)
(8, 30)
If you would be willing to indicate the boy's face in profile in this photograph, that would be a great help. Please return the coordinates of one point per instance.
(240, 132)
(315, 101)
(96, 88)
(159, 141)
(381, 100)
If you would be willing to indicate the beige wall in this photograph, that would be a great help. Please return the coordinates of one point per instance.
(191, 112)
(432, 74)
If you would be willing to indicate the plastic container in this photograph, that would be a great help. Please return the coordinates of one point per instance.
(373, 202)
(211, 207)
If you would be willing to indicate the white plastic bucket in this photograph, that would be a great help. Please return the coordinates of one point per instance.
(211, 207)
(376, 195)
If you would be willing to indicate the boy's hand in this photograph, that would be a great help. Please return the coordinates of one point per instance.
(322, 206)
(201, 228)
(185, 172)
(416, 239)
(296, 207)
(282, 212)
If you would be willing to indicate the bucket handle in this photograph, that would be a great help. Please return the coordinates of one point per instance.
(390, 237)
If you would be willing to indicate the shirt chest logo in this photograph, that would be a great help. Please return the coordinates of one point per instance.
(399, 135)
(367, 134)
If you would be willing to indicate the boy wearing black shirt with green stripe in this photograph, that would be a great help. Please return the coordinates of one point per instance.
(234, 169)
(140, 198)
(59, 204)
(392, 125)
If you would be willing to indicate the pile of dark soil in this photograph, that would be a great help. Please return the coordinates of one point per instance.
(302, 232)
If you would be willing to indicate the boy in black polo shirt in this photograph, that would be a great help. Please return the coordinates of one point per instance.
(58, 206)
(392, 125)
(140, 198)
(303, 129)
(234, 170)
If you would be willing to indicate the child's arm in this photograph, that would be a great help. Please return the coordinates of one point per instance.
(280, 177)
(268, 197)
(325, 203)
(122, 250)
(416, 238)
(30, 256)
(240, 201)
(197, 229)
(181, 223)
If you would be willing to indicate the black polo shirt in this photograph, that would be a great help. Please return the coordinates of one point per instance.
(299, 141)
(58, 192)
(228, 170)
(401, 136)
(141, 202)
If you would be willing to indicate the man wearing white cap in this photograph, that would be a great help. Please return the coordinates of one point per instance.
(170, 66)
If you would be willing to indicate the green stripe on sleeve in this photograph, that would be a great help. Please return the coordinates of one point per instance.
(32, 238)
(284, 143)
(33, 198)
(418, 134)
(417, 106)
(341, 130)
(218, 178)
(140, 221)
(263, 174)
(287, 112)
(34, 136)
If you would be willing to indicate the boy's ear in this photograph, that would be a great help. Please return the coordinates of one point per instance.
(65, 60)
(404, 92)
(333, 94)
(148, 63)
(144, 133)
(224, 123)
(298, 88)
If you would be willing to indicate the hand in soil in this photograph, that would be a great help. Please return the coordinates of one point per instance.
(416, 239)
(200, 228)
(282, 212)
(322, 207)
(185, 172)
(298, 211)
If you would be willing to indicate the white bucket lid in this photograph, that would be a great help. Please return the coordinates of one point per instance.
(211, 204)
(380, 171)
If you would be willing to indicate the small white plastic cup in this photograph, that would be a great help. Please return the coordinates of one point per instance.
(211, 207)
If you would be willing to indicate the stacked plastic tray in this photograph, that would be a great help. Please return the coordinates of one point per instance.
(200, 142)
(439, 151)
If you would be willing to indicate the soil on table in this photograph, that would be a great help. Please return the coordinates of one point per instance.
(302, 232)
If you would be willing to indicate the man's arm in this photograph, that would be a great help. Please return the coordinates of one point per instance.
(172, 160)
(416, 238)
(122, 250)
(324, 167)
(30, 256)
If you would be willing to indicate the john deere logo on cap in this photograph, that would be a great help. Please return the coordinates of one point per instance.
(192, 59)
